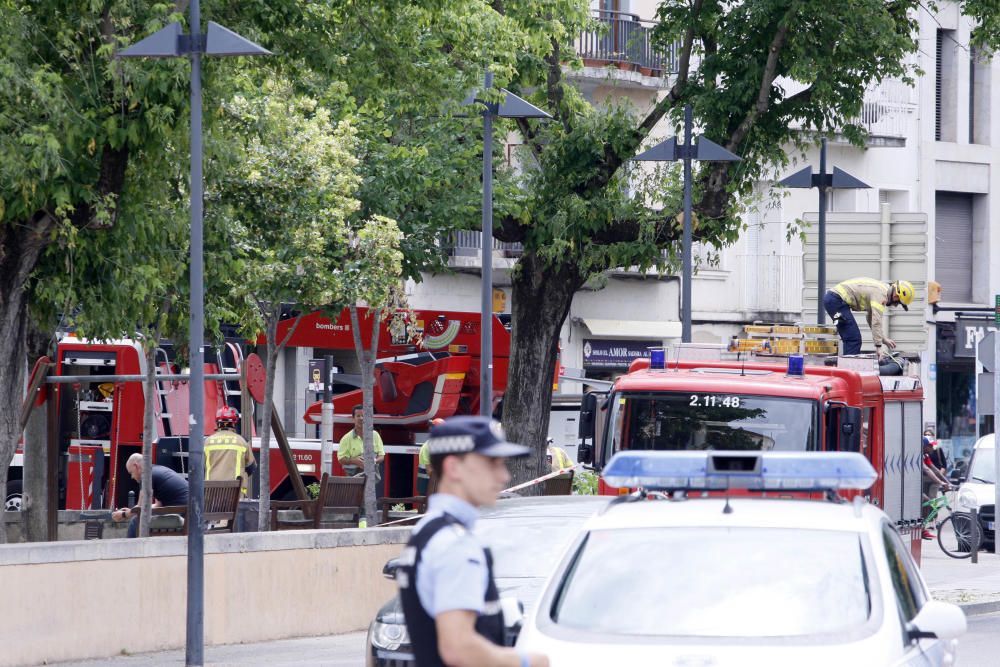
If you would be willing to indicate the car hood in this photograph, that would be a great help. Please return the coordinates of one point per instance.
(984, 493)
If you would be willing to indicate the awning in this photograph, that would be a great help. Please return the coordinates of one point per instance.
(633, 328)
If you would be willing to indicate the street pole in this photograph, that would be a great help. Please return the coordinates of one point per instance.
(821, 259)
(996, 420)
(195, 649)
(326, 425)
(686, 234)
(486, 315)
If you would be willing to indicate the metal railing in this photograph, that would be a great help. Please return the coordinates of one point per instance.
(885, 109)
(617, 38)
(468, 244)
(771, 283)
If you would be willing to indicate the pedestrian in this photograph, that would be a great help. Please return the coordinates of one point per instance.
(871, 297)
(445, 577)
(169, 489)
(424, 464)
(350, 450)
(227, 455)
(938, 456)
(557, 456)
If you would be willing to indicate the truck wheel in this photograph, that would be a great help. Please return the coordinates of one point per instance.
(12, 499)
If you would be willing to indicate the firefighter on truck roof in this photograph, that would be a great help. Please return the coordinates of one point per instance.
(871, 297)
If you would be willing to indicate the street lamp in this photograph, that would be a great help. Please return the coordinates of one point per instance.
(838, 180)
(511, 106)
(669, 151)
(169, 42)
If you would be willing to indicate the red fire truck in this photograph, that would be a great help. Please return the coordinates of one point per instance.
(99, 423)
(758, 404)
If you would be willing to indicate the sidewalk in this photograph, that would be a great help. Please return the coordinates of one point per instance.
(345, 650)
(974, 587)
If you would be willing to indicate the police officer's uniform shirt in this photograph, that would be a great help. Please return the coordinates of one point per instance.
(453, 574)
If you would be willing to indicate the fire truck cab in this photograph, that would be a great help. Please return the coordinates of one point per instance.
(765, 404)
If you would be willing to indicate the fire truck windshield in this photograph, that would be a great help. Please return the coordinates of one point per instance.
(696, 420)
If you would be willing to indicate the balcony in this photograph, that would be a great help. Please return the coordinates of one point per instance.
(464, 251)
(625, 41)
(771, 283)
(886, 110)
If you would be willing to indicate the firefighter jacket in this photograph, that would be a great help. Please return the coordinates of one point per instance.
(868, 295)
(227, 457)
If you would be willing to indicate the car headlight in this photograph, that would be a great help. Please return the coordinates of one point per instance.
(389, 636)
(967, 499)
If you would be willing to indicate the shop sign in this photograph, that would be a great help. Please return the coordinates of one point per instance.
(615, 354)
(968, 333)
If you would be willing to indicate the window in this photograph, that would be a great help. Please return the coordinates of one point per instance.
(979, 96)
(910, 594)
(710, 582)
(945, 90)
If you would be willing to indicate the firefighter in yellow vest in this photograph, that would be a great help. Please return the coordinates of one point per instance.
(227, 454)
(871, 297)
(424, 464)
(558, 458)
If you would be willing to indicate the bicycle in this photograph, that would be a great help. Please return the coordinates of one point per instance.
(958, 534)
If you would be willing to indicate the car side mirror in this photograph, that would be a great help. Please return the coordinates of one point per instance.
(585, 454)
(844, 427)
(937, 620)
(588, 416)
(390, 568)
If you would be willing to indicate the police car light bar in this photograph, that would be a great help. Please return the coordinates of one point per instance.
(721, 470)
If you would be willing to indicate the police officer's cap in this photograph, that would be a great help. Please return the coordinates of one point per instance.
(482, 435)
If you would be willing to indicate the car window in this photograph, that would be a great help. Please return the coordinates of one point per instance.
(983, 466)
(527, 546)
(903, 573)
(716, 582)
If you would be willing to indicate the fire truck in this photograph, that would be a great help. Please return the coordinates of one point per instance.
(96, 421)
(769, 403)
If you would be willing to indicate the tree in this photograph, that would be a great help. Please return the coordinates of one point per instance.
(73, 119)
(372, 277)
(576, 220)
(283, 200)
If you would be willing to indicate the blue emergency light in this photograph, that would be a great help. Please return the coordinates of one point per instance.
(718, 470)
(796, 365)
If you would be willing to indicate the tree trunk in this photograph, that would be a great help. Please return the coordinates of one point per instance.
(540, 301)
(146, 485)
(20, 246)
(264, 507)
(366, 358)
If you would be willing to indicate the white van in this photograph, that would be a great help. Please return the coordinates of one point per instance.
(978, 489)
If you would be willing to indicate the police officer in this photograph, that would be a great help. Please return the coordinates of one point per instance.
(871, 297)
(445, 578)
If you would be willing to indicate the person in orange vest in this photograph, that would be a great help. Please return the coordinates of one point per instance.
(227, 455)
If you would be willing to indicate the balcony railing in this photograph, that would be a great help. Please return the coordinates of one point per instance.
(771, 283)
(624, 40)
(469, 244)
(885, 109)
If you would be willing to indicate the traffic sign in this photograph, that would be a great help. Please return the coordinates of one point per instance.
(986, 350)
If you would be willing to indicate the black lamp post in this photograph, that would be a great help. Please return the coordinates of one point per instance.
(839, 179)
(511, 106)
(169, 42)
(669, 151)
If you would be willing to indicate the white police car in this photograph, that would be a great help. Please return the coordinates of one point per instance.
(713, 581)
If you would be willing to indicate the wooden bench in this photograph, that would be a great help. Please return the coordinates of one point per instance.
(220, 503)
(339, 504)
(561, 485)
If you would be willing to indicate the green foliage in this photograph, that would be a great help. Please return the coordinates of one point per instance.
(585, 483)
(313, 490)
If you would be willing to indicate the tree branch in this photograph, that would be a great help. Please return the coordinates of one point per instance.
(613, 159)
(766, 81)
(509, 230)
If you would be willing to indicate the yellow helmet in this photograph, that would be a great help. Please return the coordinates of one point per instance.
(904, 292)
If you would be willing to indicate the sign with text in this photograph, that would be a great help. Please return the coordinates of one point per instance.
(968, 333)
(615, 354)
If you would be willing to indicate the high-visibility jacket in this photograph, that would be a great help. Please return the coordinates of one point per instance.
(227, 456)
(868, 295)
(560, 459)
